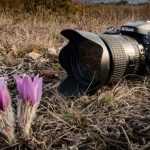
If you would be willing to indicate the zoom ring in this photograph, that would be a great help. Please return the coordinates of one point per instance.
(119, 57)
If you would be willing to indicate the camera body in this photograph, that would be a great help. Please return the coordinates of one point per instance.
(140, 31)
(93, 60)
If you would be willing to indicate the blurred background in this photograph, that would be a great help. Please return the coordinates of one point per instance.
(30, 41)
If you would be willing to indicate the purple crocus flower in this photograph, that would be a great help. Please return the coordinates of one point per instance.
(4, 95)
(29, 88)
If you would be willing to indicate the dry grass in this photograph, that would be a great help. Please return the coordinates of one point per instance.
(42, 28)
(115, 118)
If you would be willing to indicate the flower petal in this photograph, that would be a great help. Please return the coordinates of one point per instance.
(29, 88)
(19, 83)
(37, 82)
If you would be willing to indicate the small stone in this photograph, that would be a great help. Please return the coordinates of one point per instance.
(52, 51)
(34, 55)
(43, 60)
(11, 59)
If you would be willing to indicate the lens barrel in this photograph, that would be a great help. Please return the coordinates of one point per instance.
(125, 55)
(93, 60)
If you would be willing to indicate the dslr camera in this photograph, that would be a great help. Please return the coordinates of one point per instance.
(93, 60)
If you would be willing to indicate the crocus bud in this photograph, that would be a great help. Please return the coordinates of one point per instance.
(30, 91)
(6, 113)
(29, 88)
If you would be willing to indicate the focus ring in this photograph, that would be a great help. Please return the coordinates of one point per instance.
(119, 57)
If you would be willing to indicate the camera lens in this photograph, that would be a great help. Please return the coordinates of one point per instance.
(93, 60)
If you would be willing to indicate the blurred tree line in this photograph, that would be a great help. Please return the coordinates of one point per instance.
(32, 5)
(48, 4)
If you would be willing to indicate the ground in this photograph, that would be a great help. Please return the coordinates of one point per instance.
(117, 117)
